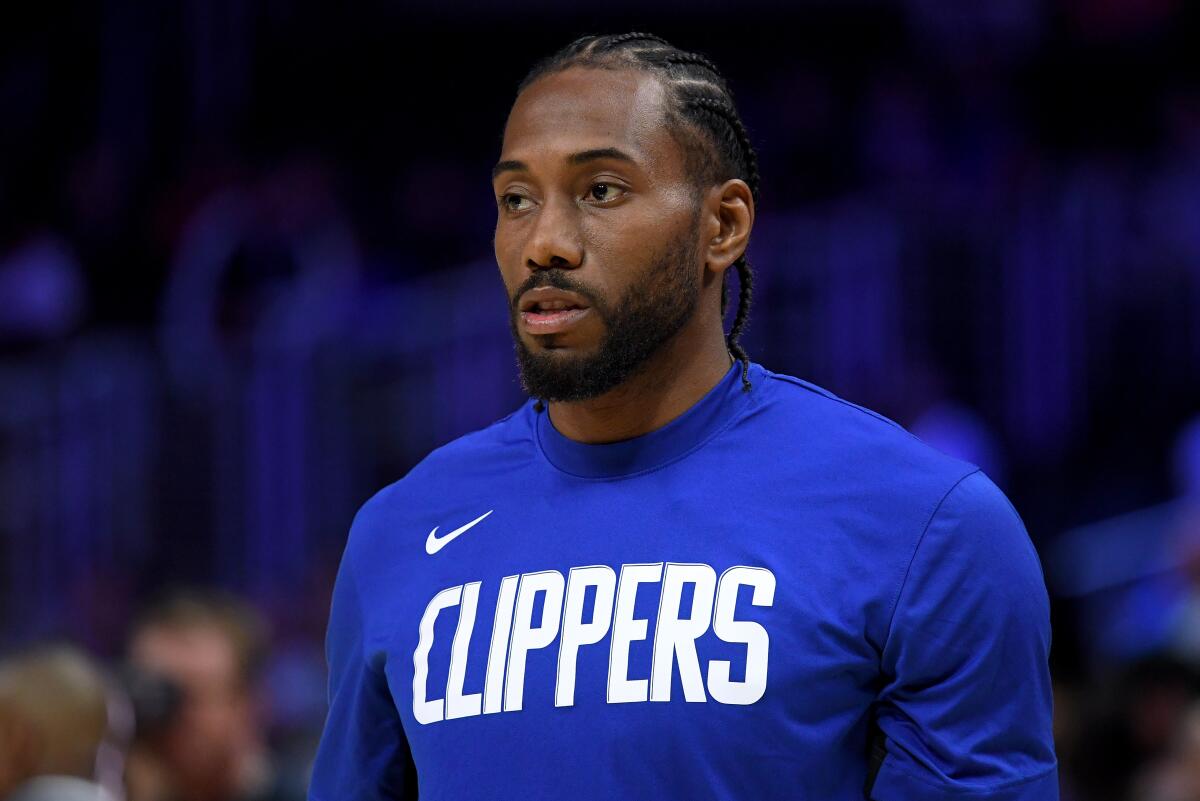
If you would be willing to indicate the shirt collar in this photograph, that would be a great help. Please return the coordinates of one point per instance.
(687, 432)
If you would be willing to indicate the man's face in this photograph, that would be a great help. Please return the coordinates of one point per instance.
(216, 712)
(597, 233)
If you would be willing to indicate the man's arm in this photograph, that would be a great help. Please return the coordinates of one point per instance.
(363, 754)
(966, 710)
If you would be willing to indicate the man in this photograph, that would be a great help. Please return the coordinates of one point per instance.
(212, 746)
(675, 574)
(54, 727)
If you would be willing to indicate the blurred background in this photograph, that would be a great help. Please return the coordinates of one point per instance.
(246, 280)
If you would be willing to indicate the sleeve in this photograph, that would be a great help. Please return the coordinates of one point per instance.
(965, 711)
(363, 754)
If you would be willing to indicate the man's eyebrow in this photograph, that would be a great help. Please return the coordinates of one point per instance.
(595, 154)
(506, 166)
(582, 157)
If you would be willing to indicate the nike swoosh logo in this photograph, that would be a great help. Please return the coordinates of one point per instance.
(434, 543)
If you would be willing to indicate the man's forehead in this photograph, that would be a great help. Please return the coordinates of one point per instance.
(588, 107)
(187, 647)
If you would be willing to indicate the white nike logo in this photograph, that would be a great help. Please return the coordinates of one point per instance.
(433, 543)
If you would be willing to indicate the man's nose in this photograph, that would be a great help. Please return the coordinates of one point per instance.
(555, 241)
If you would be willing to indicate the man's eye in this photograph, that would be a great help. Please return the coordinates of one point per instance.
(514, 202)
(604, 192)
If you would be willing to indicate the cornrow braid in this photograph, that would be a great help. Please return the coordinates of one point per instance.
(701, 111)
(694, 59)
(724, 110)
(610, 43)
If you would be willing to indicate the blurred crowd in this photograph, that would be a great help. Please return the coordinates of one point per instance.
(180, 717)
(246, 281)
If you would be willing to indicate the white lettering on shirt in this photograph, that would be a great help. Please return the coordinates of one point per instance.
(678, 631)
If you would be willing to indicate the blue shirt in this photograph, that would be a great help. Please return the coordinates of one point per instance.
(736, 605)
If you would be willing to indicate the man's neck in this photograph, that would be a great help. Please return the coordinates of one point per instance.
(669, 384)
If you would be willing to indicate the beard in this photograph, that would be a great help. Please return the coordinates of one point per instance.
(661, 299)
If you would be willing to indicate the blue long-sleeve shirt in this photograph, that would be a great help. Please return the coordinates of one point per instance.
(736, 605)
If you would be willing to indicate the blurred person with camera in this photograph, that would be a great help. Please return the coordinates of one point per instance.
(207, 742)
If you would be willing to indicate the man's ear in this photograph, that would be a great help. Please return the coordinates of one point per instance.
(729, 209)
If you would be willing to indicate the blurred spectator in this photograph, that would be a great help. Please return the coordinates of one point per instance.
(1131, 726)
(53, 723)
(1177, 777)
(1186, 461)
(43, 289)
(1136, 577)
(271, 262)
(959, 431)
(213, 746)
(1185, 634)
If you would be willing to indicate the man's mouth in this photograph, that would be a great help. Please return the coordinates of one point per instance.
(552, 321)
(548, 310)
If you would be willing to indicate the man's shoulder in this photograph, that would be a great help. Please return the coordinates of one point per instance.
(848, 439)
(800, 393)
(853, 458)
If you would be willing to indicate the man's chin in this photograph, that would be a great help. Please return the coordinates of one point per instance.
(562, 374)
(561, 353)
(563, 345)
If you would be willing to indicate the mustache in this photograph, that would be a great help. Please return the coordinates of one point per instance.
(559, 279)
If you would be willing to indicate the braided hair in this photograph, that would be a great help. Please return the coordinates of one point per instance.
(703, 118)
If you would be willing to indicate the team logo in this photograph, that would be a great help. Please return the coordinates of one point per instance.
(514, 635)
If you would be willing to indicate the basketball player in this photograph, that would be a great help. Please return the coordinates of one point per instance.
(674, 574)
